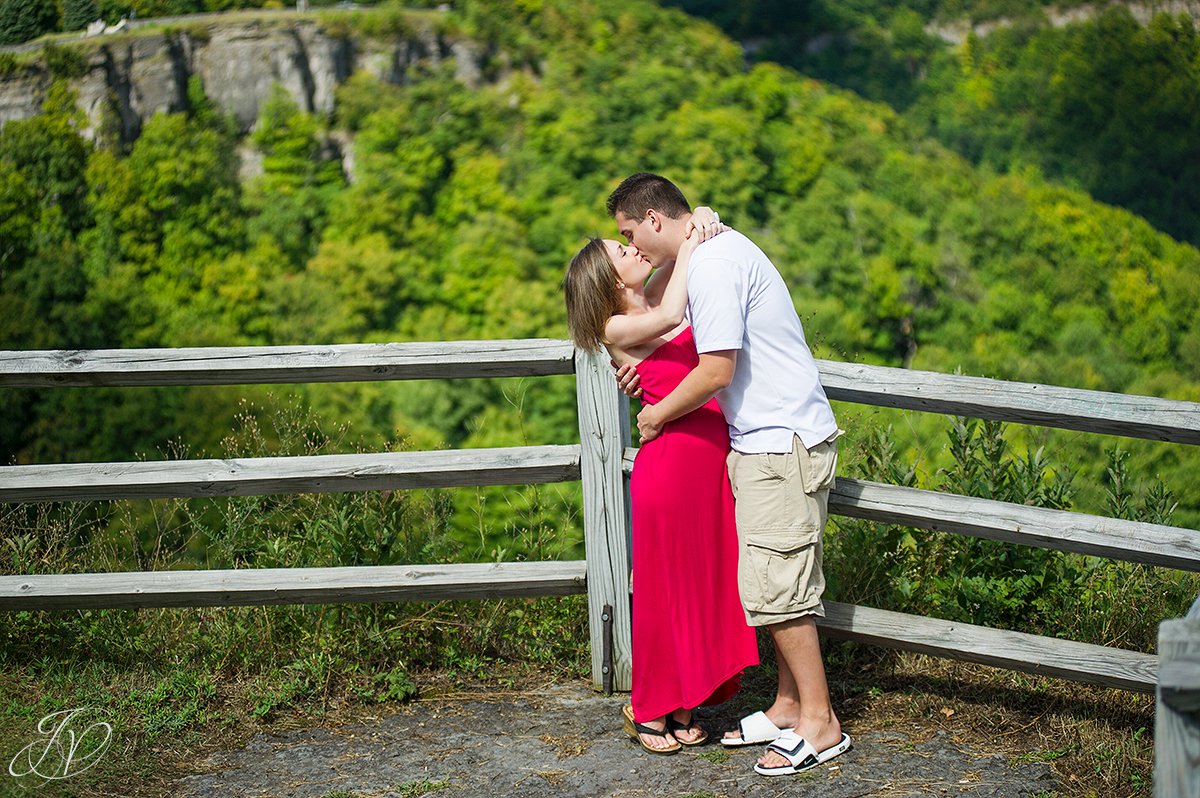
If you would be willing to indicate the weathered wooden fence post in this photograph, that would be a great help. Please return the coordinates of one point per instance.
(603, 437)
(1176, 722)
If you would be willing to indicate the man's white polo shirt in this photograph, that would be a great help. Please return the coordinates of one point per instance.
(738, 300)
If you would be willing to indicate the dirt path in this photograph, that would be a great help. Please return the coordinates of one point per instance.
(566, 741)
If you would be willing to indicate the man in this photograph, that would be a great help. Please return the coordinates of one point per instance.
(755, 360)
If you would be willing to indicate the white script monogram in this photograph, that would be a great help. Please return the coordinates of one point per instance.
(62, 752)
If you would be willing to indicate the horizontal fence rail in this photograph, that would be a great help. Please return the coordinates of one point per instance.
(1080, 533)
(256, 586)
(260, 476)
(881, 386)
(1048, 656)
(1021, 402)
(242, 365)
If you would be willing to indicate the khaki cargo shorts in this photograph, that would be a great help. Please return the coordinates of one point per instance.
(781, 503)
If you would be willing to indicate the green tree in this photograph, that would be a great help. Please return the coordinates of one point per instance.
(290, 200)
(78, 14)
(1110, 105)
(42, 282)
(16, 222)
(22, 20)
(235, 302)
(163, 215)
(351, 288)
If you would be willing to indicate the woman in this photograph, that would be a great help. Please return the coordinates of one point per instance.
(690, 638)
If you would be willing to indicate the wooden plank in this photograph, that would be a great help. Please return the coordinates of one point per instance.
(276, 364)
(1021, 402)
(604, 436)
(1046, 656)
(1176, 732)
(1179, 681)
(248, 587)
(273, 475)
(1134, 541)
(1025, 403)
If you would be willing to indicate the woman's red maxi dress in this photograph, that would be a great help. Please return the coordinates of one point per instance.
(690, 638)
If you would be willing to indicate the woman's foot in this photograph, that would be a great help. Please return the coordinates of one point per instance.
(662, 741)
(653, 735)
(685, 728)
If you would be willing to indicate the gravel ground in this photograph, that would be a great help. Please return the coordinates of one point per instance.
(566, 741)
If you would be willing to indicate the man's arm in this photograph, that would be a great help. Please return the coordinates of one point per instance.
(711, 375)
(627, 380)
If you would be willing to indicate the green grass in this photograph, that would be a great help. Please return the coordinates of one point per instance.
(717, 756)
(175, 683)
(411, 789)
(1044, 755)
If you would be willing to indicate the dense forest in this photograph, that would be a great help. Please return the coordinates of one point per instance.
(1022, 205)
(1109, 106)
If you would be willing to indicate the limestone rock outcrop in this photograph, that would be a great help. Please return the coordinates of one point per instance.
(129, 77)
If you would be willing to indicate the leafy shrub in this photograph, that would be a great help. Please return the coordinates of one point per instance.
(65, 62)
(1005, 585)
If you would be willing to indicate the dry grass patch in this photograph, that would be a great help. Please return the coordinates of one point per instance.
(1099, 741)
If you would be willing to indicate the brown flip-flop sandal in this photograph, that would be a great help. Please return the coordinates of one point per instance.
(675, 726)
(635, 729)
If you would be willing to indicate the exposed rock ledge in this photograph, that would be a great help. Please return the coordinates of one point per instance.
(130, 77)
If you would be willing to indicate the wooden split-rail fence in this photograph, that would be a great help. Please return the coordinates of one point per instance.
(603, 460)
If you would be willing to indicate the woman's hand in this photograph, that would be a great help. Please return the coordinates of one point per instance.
(688, 246)
(705, 224)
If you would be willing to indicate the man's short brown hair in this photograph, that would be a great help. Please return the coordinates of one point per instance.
(643, 191)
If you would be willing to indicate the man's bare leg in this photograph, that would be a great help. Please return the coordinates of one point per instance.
(785, 712)
(798, 651)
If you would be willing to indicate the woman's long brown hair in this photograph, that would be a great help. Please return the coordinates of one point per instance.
(590, 287)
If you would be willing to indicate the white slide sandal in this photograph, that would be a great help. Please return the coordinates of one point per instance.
(800, 754)
(756, 729)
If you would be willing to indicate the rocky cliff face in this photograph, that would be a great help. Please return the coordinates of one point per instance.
(130, 77)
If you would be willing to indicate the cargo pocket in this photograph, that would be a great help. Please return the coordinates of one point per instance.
(777, 568)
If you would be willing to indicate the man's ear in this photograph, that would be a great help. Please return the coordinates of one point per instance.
(655, 220)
